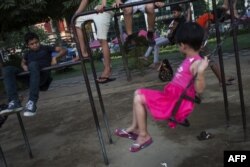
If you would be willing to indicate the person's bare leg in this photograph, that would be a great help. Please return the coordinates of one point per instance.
(81, 42)
(134, 126)
(151, 23)
(150, 16)
(225, 5)
(128, 19)
(141, 119)
(106, 57)
(216, 70)
(236, 15)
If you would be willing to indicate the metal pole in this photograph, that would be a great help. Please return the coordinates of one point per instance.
(218, 39)
(105, 118)
(91, 99)
(124, 56)
(236, 51)
(24, 135)
(3, 157)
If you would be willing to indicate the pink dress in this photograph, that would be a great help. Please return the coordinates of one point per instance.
(161, 103)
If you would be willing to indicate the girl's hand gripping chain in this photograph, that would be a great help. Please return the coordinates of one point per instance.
(203, 65)
(200, 78)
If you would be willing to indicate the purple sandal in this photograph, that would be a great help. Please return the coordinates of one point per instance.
(125, 134)
(137, 147)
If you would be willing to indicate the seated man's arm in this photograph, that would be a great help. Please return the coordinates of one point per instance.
(24, 64)
(60, 53)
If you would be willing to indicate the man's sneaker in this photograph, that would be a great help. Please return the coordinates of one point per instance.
(13, 106)
(30, 109)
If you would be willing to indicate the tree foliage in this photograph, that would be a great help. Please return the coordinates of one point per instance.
(19, 13)
(16, 38)
(200, 7)
(15, 14)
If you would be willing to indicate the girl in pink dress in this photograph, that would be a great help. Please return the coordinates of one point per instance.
(160, 104)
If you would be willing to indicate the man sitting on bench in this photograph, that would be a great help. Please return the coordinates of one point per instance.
(37, 57)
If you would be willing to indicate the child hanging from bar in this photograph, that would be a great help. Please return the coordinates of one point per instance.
(160, 104)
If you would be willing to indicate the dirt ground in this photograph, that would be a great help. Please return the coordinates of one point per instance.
(63, 133)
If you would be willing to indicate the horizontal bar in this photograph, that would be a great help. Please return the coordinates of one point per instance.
(127, 5)
(53, 67)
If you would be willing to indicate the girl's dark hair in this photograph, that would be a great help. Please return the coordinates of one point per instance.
(30, 36)
(191, 34)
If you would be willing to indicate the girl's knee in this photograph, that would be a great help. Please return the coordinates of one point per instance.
(137, 92)
(138, 98)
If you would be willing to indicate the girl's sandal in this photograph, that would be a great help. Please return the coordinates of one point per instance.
(123, 133)
(137, 147)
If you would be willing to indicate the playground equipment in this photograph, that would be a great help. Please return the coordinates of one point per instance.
(90, 59)
(218, 37)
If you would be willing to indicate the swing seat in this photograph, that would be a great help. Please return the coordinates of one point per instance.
(184, 95)
(185, 123)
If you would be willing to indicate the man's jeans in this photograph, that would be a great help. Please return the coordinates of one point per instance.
(36, 79)
(160, 41)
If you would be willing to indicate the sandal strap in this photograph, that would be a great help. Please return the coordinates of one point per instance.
(122, 131)
(136, 145)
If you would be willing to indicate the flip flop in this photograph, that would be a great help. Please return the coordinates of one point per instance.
(105, 80)
(137, 147)
(228, 83)
(205, 136)
(125, 134)
(230, 79)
